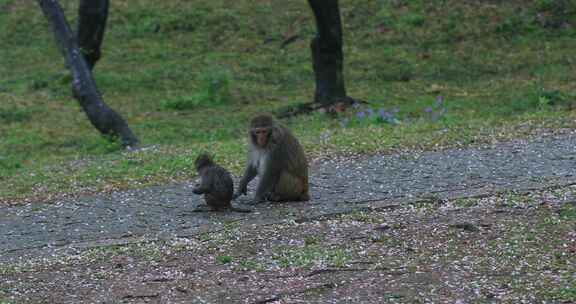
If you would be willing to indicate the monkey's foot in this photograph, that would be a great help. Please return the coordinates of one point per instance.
(256, 201)
(238, 194)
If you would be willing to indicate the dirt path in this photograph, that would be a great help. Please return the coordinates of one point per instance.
(337, 186)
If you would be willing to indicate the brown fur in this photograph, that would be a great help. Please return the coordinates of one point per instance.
(216, 184)
(278, 159)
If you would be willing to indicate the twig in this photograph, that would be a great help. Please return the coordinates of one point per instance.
(281, 295)
(304, 108)
(330, 270)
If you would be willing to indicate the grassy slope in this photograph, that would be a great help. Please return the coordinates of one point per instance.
(495, 65)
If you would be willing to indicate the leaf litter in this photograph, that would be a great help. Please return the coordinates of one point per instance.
(510, 247)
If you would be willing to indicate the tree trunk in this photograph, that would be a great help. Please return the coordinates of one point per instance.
(101, 116)
(327, 56)
(91, 27)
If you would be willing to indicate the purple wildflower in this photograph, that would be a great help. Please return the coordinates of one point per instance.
(360, 115)
(439, 101)
(382, 113)
(370, 112)
(385, 116)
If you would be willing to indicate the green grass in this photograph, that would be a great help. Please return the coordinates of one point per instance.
(224, 259)
(188, 75)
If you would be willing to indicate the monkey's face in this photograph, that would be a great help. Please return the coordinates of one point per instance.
(260, 136)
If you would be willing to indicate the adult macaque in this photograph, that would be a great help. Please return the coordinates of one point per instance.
(216, 184)
(278, 159)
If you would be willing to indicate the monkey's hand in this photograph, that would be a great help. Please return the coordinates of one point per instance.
(197, 189)
(238, 193)
(258, 200)
(241, 190)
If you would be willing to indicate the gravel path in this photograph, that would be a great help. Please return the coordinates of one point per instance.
(338, 185)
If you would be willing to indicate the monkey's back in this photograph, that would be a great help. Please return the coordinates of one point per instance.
(221, 188)
(297, 158)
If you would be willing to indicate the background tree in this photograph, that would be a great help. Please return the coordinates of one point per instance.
(327, 56)
(92, 16)
(327, 61)
(102, 117)
(326, 49)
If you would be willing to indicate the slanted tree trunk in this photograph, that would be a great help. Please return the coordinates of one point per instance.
(91, 27)
(326, 49)
(101, 116)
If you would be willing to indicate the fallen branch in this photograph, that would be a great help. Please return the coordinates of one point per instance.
(305, 290)
(141, 296)
(332, 270)
(305, 108)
